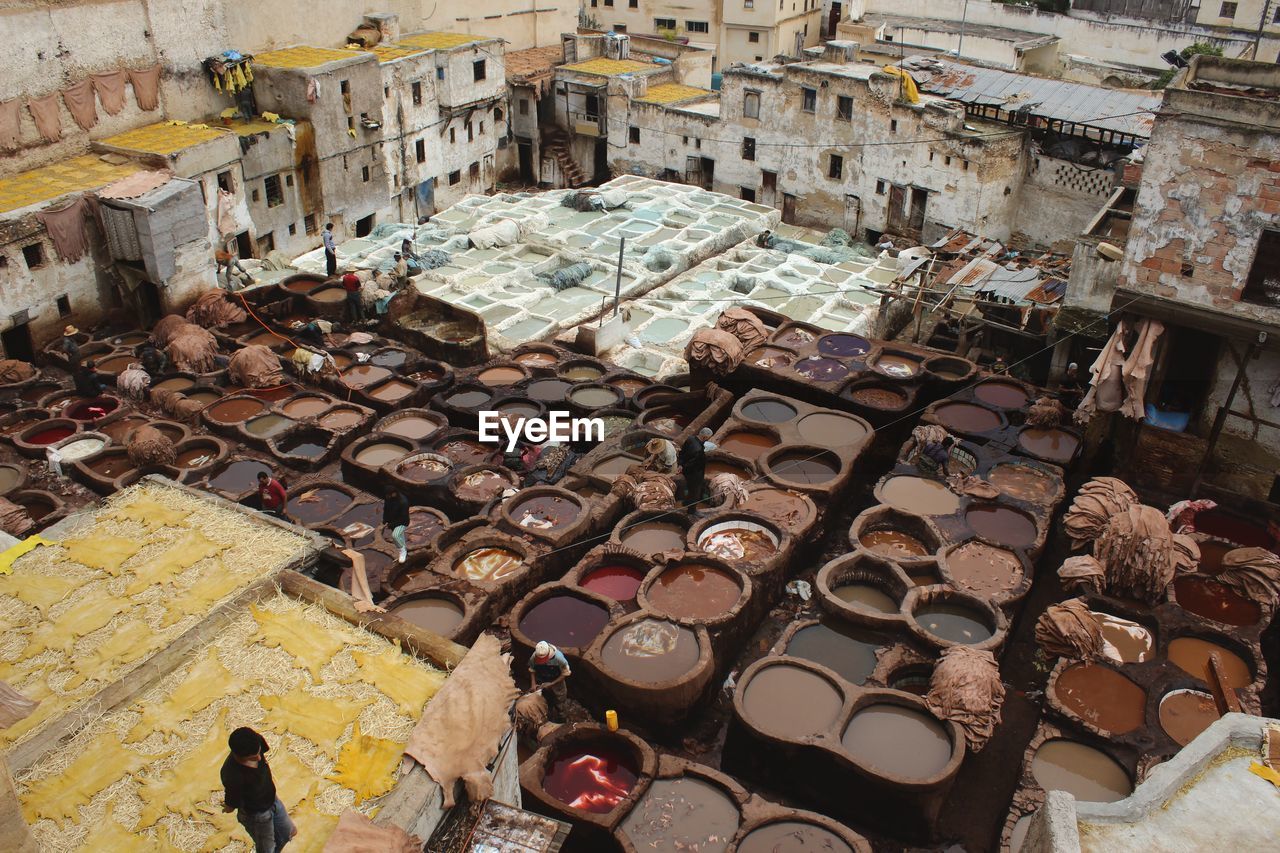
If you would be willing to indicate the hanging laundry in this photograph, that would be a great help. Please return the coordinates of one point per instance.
(1137, 368)
(10, 124)
(47, 115)
(110, 89)
(66, 227)
(81, 104)
(146, 86)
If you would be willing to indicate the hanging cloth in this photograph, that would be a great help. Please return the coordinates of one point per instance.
(146, 86)
(47, 116)
(10, 124)
(110, 89)
(66, 228)
(1106, 388)
(81, 104)
(1137, 368)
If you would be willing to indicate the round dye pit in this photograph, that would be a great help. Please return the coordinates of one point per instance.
(878, 397)
(49, 435)
(820, 369)
(828, 643)
(1212, 600)
(830, 430)
(488, 564)
(115, 364)
(768, 411)
(897, 366)
(424, 527)
(1088, 774)
(468, 399)
(694, 592)
(612, 466)
(238, 477)
(792, 836)
(536, 359)
(91, 410)
(865, 596)
(919, 495)
(481, 486)
(340, 418)
(628, 386)
(463, 451)
(196, 456)
(236, 410)
(71, 451)
(303, 447)
(1053, 444)
(582, 373)
(438, 615)
(1102, 696)
(791, 702)
(739, 541)
(895, 544)
(983, 569)
(316, 505)
(363, 375)
(953, 622)
(594, 779)
(265, 426)
(424, 468)
(120, 428)
(795, 337)
(360, 521)
(678, 815)
(747, 445)
(1001, 525)
(1123, 641)
(411, 427)
(897, 741)
(564, 620)
(617, 582)
(392, 391)
(966, 417)
(10, 477)
(177, 383)
(393, 358)
(667, 423)
(1023, 482)
(1211, 554)
(499, 376)
(651, 651)
(772, 357)
(548, 390)
(306, 407)
(1191, 655)
(778, 505)
(545, 512)
(595, 397)
(204, 398)
(1004, 395)
(843, 346)
(1184, 714)
(653, 537)
(110, 465)
(380, 453)
(805, 466)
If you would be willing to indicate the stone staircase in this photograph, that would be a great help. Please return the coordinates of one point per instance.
(556, 143)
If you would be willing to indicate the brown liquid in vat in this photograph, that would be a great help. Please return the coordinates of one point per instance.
(1102, 696)
(893, 543)
(1184, 714)
(1191, 655)
(897, 741)
(790, 701)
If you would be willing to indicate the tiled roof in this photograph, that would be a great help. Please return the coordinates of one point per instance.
(670, 93)
(608, 67)
(163, 138)
(77, 174)
(300, 57)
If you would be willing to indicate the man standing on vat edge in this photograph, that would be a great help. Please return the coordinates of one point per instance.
(548, 670)
(251, 792)
(272, 497)
(395, 515)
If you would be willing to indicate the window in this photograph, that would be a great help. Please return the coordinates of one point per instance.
(697, 143)
(835, 169)
(748, 4)
(224, 182)
(274, 193)
(498, 114)
(455, 178)
(478, 70)
(633, 4)
(481, 131)
(309, 223)
(364, 174)
(1228, 10)
(686, 140)
(344, 86)
(697, 27)
(748, 148)
(964, 164)
(64, 305)
(416, 89)
(288, 180)
(453, 135)
(753, 37)
(808, 99)
(844, 108)
(267, 243)
(1263, 285)
(879, 187)
(420, 150)
(747, 193)
(619, 28)
(946, 161)
(751, 105)
(633, 135)
(440, 73)
(254, 195)
(759, 59)
(386, 91)
(893, 125)
(1275, 18)
(471, 133)
(351, 124)
(524, 106)
(660, 24)
(474, 171)
(293, 229)
(33, 255)
(608, 3)
(4, 262)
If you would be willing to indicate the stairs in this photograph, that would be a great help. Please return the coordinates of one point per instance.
(556, 143)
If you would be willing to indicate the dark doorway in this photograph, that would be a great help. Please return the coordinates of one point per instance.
(919, 200)
(1185, 370)
(789, 208)
(524, 147)
(364, 226)
(244, 246)
(833, 20)
(708, 167)
(17, 343)
(601, 164)
(769, 188)
(897, 221)
(149, 306)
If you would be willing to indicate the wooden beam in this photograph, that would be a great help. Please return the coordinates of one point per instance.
(440, 652)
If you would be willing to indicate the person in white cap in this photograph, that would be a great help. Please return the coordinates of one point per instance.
(548, 670)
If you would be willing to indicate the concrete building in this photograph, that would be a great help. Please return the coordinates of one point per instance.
(735, 30)
(1001, 47)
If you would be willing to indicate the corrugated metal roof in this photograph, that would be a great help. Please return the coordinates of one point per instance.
(1111, 109)
(1028, 284)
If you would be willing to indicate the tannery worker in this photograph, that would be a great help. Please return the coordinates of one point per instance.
(355, 302)
(939, 453)
(250, 792)
(406, 249)
(548, 670)
(401, 272)
(662, 455)
(68, 344)
(230, 261)
(395, 515)
(693, 464)
(330, 251)
(153, 360)
(86, 381)
(272, 498)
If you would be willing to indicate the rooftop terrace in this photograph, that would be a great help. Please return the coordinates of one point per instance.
(76, 174)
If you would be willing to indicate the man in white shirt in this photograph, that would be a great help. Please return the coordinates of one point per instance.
(330, 251)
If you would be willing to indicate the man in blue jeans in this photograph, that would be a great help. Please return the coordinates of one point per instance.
(251, 792)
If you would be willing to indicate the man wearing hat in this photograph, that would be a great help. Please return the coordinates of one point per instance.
(548, 670)
(69, 345)
(250, 792)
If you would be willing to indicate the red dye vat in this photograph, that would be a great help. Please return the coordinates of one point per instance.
(50, 435)
(1225, 526)
(617, 582)
(592, 779)
(91, 410)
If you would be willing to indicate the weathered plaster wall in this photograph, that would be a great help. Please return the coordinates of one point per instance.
(1262, 374)
(1057, 200)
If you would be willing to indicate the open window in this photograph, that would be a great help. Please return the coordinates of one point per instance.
(1263, 284)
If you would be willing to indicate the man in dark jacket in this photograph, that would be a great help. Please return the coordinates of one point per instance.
(86, 381)
(153, 361)
(693, 464)
(395, 515)
(250, 792)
